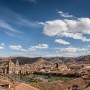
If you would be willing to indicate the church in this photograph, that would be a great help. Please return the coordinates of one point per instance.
(9, 67)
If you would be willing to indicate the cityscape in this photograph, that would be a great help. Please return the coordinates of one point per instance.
(44, 45)
(53, 73)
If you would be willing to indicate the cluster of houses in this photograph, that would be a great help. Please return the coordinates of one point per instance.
(9, 67)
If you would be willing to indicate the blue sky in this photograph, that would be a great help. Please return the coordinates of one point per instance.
(44, 28)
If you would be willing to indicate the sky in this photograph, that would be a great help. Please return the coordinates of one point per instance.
(44, 28)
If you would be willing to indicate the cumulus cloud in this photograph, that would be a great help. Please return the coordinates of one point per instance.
(2, 45)
(81, 25)
(40, 46)
(66, 15)
(62, 41)
(69, 51)
(52, 28)
(76, 29)
(75, 36)
(72, 49)
(32, 48)
(17, 47)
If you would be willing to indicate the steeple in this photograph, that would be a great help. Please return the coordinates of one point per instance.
(17, 63)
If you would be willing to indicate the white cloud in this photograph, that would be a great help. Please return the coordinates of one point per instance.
(7, 26)
(2, 45)
(69, 51)
(72, 49)
(12, 28)
(81, 25)
(17, 47)
(28, 23)
(55, 27)
(10, 34)
(75, 36)
(62, 41)
(66, 15)
(32, 48)
(75, 29)
(40, 46)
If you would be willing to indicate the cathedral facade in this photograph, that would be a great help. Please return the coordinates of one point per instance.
(9, 67)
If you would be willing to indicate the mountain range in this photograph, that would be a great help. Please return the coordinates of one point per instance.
(50, 60)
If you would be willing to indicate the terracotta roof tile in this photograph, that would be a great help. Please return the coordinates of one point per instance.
(23, 86)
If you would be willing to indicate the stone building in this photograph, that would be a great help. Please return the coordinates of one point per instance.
(8, 67)
(14, 68)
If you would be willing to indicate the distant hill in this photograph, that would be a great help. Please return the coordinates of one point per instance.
(28, 60)
(25, 60)
(84, 59)
(22, 60)
(42, 62)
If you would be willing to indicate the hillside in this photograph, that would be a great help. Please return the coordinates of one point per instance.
(42, 62)
(39, 60)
